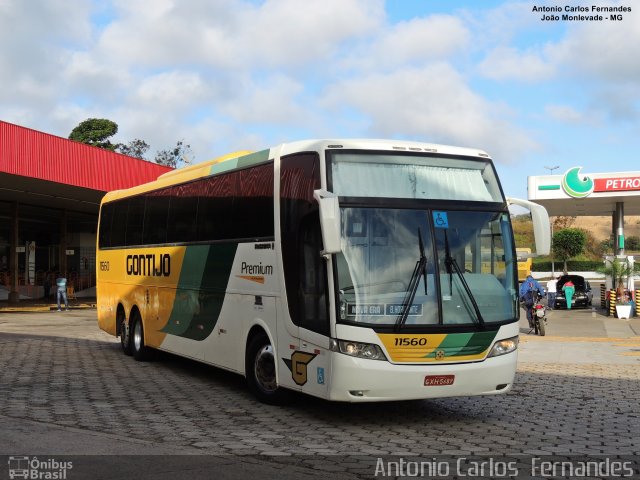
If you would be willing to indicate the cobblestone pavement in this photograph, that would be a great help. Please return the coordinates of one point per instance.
(59, 369)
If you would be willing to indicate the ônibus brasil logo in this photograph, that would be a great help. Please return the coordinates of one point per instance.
(576, 185)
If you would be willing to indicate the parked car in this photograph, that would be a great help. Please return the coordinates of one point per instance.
(581, 298)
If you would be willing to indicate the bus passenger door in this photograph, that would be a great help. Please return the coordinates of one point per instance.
(303, 327)
(313, 312)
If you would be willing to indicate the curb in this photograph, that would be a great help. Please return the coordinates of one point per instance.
(43, 308)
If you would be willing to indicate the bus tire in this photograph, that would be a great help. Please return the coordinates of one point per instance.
(260, 367)
(138, 349)
(123, 331)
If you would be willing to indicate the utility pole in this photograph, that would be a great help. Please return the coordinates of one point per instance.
(553, 266)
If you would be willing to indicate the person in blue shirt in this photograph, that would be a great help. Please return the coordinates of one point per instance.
(61, 282)
(529, 291)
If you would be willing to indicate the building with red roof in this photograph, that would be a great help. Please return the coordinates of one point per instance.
(50, 192)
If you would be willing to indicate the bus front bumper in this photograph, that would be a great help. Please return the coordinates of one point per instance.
(360, 380)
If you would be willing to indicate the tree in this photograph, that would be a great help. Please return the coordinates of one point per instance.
(632, 243)
(605, 247)
(563, 221)
(135, 148)
(95, 132)
(179, 155)
(619, 269)
(568, 243)
(592, 248)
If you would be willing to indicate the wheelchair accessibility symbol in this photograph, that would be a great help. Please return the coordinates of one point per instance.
(440, 220)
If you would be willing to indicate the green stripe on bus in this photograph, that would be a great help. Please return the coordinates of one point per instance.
(240, 162)
(253, 158)
(201, 290)
(225, 166)
(461, 344)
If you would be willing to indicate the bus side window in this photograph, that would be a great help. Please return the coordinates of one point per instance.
(118, 226)
(155, 218)
(312, 296)
(106, 217)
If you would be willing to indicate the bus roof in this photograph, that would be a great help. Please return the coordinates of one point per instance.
(245, 158)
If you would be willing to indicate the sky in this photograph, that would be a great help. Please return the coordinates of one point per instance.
(227, 75)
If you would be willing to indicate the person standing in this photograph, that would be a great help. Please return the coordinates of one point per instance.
(552, 290)
(61, 282)
(569, 289)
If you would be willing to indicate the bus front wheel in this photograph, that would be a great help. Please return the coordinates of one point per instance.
(138, 349)
(261, 370)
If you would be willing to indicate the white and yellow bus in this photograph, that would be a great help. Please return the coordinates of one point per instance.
(351, 270)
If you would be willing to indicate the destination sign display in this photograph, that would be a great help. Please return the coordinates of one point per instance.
(372, 309)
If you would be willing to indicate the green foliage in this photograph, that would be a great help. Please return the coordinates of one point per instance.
(135, 148)
(95, 132)
(179, 155)
(619, 269)
(540, 265)
(605, 247)
(632, 243)
(568, 243)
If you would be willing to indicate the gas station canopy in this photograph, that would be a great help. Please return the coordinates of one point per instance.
(593, 194)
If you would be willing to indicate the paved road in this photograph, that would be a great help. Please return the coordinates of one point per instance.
(66, 389)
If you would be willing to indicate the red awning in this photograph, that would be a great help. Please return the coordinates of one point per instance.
(37, 155)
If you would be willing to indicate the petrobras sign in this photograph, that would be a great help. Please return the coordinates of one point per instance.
(616, 184)
(576, 184)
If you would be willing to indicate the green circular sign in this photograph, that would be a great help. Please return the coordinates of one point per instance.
(575, 185)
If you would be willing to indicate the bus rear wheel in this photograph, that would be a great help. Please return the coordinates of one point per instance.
(261, 370)
(123, 331)
(138, 349)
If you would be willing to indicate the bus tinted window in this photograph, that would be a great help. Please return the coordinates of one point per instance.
(253, 209)
(106, 216)
(183, 209)
(135, 217)
(234, 205)
(155, 218)
(215, 205)
(118, 225)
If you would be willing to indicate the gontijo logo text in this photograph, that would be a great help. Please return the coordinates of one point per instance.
(149, 265)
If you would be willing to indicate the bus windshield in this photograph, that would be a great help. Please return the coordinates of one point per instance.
(469, 270)
(413, 176)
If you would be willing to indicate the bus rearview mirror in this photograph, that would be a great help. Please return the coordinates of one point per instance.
(541, 224)
(329, 220)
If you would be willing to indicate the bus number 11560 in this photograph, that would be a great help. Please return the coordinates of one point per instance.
(411, 342)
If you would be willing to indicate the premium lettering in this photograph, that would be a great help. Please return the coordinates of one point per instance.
(149, 265)
(259, 269)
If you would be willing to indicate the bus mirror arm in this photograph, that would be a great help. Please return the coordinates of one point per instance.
(329, 220)
(541, 224)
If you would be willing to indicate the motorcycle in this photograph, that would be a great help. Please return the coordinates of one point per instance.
(539, 317)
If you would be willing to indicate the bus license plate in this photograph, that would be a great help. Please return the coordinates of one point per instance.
(438, 380)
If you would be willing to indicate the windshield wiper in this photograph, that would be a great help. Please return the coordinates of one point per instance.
(451, 264)
(419, 270)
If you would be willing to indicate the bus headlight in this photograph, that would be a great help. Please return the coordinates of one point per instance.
(502, 347)
(369, 351)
